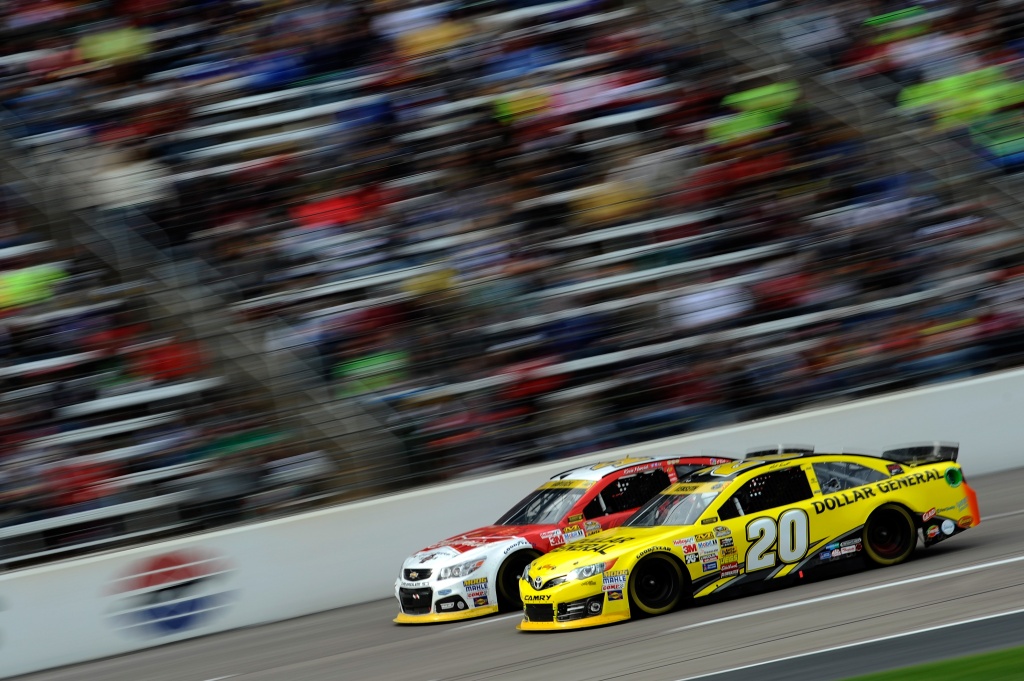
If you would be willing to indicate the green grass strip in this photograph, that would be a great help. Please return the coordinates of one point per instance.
(1001, 665)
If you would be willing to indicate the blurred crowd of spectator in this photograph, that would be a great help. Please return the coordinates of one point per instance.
(955, 68)
(525, 230)
(101, 405)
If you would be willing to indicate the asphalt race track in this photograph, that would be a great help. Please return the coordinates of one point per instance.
(951, 600)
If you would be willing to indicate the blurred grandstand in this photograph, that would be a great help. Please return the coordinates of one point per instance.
(260, 255)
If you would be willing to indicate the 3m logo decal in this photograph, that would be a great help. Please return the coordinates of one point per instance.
(170, 593)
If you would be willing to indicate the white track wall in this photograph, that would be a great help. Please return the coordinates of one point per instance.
(90, 608)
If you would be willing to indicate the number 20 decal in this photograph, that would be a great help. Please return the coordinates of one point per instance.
(791, 533)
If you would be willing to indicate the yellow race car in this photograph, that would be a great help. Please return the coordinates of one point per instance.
(774, 515)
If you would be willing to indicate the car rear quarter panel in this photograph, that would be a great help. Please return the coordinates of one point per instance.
(931, 493)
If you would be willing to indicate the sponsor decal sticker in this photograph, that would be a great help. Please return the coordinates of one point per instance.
(895, 469)
(726, 541)
(591, 527)
(705, 536)
(444, 592)
(965, 522)
(848, 550)
(615, 595)
(519, 544)
(730, 569)
(834, 545)
(614, 580)
(928, 515)
(961, 505)
(933, 531)
(694, 487)
(722, 531)
(836, 553)
(574, 518)
(480, 601)
(688, 544)
(948, 527)
(652, 549)
(825, 555)
(639, 469)
(954, 477)
(709, 521)
(446, 606)
(436, 552)
(475, 587)
(554, 538)
(567, 484)
(537, 599)
(573, 533)
(708, 546)
(851, 542)
(853, 496)
(620, 462)
(599, 545)
(690, 558)
(170, 592)
(711, 567)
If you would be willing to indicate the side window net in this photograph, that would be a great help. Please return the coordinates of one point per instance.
(628, 493)
(768, 490)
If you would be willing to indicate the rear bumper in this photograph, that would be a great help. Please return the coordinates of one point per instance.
(972, 504)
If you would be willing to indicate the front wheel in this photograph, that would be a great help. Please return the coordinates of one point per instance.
(508, 579)
(890, 535)
(656, 585)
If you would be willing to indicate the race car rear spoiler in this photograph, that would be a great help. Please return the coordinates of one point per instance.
(767, 450)
(923, 452)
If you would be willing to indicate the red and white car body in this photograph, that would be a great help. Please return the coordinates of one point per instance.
(476, 573)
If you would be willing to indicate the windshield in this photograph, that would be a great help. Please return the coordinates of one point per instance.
(680, 504)
(547, 505)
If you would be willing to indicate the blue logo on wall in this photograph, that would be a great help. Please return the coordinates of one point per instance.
(170, 593)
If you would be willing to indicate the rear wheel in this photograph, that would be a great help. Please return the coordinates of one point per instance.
(508, 579)
(890, 535)
(656, 585)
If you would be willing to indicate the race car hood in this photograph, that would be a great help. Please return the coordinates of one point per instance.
(481, 538)
(607, 546)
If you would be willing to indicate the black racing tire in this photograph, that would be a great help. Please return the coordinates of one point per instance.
(890, 535)
(508, 579)
(655, 585)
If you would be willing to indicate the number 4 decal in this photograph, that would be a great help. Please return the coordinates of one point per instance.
(791, 534)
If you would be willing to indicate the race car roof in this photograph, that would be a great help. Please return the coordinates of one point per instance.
(599, 470)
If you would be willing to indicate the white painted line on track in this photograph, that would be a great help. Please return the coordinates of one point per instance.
(1000, 515)
(855, 592)
(858, 643)
(488, 620)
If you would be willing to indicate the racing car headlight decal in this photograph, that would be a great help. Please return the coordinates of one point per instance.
(460, 570)
(588, 571)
